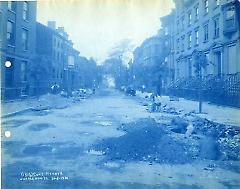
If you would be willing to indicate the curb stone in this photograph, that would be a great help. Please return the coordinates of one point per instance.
(16, 113)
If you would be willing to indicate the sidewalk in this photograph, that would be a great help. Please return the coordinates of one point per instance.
(46, 101)
(17, 106)
(219, 114)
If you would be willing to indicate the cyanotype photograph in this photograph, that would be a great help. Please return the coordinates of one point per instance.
(120, 94)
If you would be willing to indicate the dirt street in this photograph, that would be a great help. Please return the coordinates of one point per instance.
(110, 140)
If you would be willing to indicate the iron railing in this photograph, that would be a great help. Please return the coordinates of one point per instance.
(221, 89)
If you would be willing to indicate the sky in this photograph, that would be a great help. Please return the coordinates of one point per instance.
(96, 26)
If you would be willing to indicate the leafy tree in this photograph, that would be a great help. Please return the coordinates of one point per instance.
(115, 65)
(115, 68)
(89, 72)
(39, 71)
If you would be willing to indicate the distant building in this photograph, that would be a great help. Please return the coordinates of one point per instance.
(17, 45)
(56, 55)
(71, 68)
(148, 62)
(166, 33)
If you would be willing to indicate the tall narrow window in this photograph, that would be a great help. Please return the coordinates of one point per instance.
(25, 10)
(23, 71)
(189, 18)
(206, 6)
(25, 39)
(189, 67)
(216, 28)
(166, 59)
(205, 71)
(166, 43)
(196, 37)
(59, 56)
(196, 13)
(189, 40)
(10, 33)
(9, 3)
(12, 6)
(205, 28)
(178, 44)
(182, 23)
(182, 43)
(166, 30)
(230, 17)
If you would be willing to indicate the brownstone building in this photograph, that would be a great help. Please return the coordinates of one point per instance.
(211, 28)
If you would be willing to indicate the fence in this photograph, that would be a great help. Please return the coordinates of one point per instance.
(224, 89)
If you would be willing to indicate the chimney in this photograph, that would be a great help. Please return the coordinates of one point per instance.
(61, 29)
(52, 24)
(62, 32)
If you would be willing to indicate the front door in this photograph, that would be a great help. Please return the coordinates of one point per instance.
(218, 63)
(189, 67)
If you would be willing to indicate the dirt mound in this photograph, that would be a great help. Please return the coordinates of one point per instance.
(150, 143)
(147, 140)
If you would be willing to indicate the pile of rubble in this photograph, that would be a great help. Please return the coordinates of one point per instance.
(51, 101)
(179, 142)
(146, 140)
(227, 137)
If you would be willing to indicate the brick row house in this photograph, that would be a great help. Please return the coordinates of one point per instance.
(33, 56)
(54, 51)
(210, 27)
(17, 45)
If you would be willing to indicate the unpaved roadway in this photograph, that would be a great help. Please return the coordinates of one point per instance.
(82, 147)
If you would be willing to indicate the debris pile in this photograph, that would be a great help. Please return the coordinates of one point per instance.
(50, 101)
(227, 137)
(146, 140)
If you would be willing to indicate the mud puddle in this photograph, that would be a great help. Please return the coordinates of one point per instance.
(41, 126)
